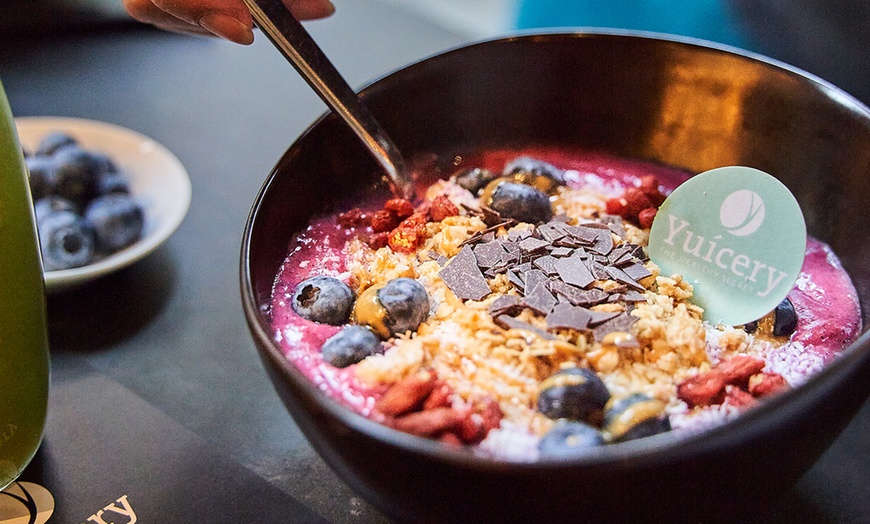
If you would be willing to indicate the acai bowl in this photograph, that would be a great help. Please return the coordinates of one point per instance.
(636, 98)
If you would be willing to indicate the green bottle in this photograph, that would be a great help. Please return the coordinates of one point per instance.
(24, 362)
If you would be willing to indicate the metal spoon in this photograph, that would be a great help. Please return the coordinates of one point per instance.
(294, 42)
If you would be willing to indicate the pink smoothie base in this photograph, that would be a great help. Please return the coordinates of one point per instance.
(823, 296)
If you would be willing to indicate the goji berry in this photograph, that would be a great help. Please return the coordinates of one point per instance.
(442, 208)
(399, 207)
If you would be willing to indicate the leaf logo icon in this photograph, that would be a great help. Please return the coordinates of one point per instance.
(742, 212)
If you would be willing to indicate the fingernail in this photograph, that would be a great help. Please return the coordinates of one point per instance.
(227, 27)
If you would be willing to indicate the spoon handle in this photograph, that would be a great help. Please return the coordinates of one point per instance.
(294, 42)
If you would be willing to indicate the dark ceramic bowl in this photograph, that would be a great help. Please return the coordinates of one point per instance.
(676, 102)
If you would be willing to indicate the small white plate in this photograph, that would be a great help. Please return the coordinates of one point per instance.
(157, 179)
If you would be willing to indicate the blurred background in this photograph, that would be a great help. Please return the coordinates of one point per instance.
(826, 38)
(829, 39)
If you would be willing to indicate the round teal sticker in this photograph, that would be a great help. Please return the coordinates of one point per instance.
(737, 235)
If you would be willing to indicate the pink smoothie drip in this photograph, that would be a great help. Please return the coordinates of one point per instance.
(319, 250)
(827, 304)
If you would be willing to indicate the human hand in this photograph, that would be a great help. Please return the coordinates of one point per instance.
(228, 19)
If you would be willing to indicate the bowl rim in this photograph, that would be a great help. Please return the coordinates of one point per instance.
(658, 448)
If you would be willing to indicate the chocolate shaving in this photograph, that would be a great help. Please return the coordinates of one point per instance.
(463, 277)
(514, 278)
(491, 217)
(576, 296)
(566, 316)
(621, 322)
(637, 271)
(505, 305)
(547, 264)
(539, 300)
(531, 245)
(600, 317)
(561, 252)
(508, 322)
(632, 296)
(598, 270)
(623, 278)
(550, 233)
(478, 235)
(533, 277)
(603, 242)
(573, 271)
(488, 254)
(584, 234)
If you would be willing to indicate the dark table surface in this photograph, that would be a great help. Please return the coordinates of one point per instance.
(158, 397)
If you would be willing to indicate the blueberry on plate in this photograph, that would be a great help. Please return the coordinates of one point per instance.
(54, 142)
(78, 172)
(521, 202)
(568, 439)
(113, 182)
(322, 299)
(573, 393)
(350, 345)
(635, 416)
(50, 204)
(67, 240)
(406, 304)
(117, 219)
(41, 171)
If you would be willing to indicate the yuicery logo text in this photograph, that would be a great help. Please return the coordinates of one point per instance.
(724, 257)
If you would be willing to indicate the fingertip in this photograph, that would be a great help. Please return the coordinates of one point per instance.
(311, 9)
(227, 27)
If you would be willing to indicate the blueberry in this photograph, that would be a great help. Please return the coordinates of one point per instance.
(117, 220)
(405, 303)
(568, 439)
(635, 416)
(533, 166)
(785, 318)
(41, 170)
(113, 182)
(327, 300)
(50, 204)
(573, 393)
(54, 142)
(519, 201)
(473, 179)
(67, 240)
(350, 345)
(78, 173)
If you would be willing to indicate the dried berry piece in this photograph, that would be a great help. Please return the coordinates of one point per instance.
(766, 383)
(407, 394)
(383, 220)
(738, 369)
(355, 217)
(399, 207)
(442, 208)
(430, 423)
(736, 397)
(704, 389)
(645, 218)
